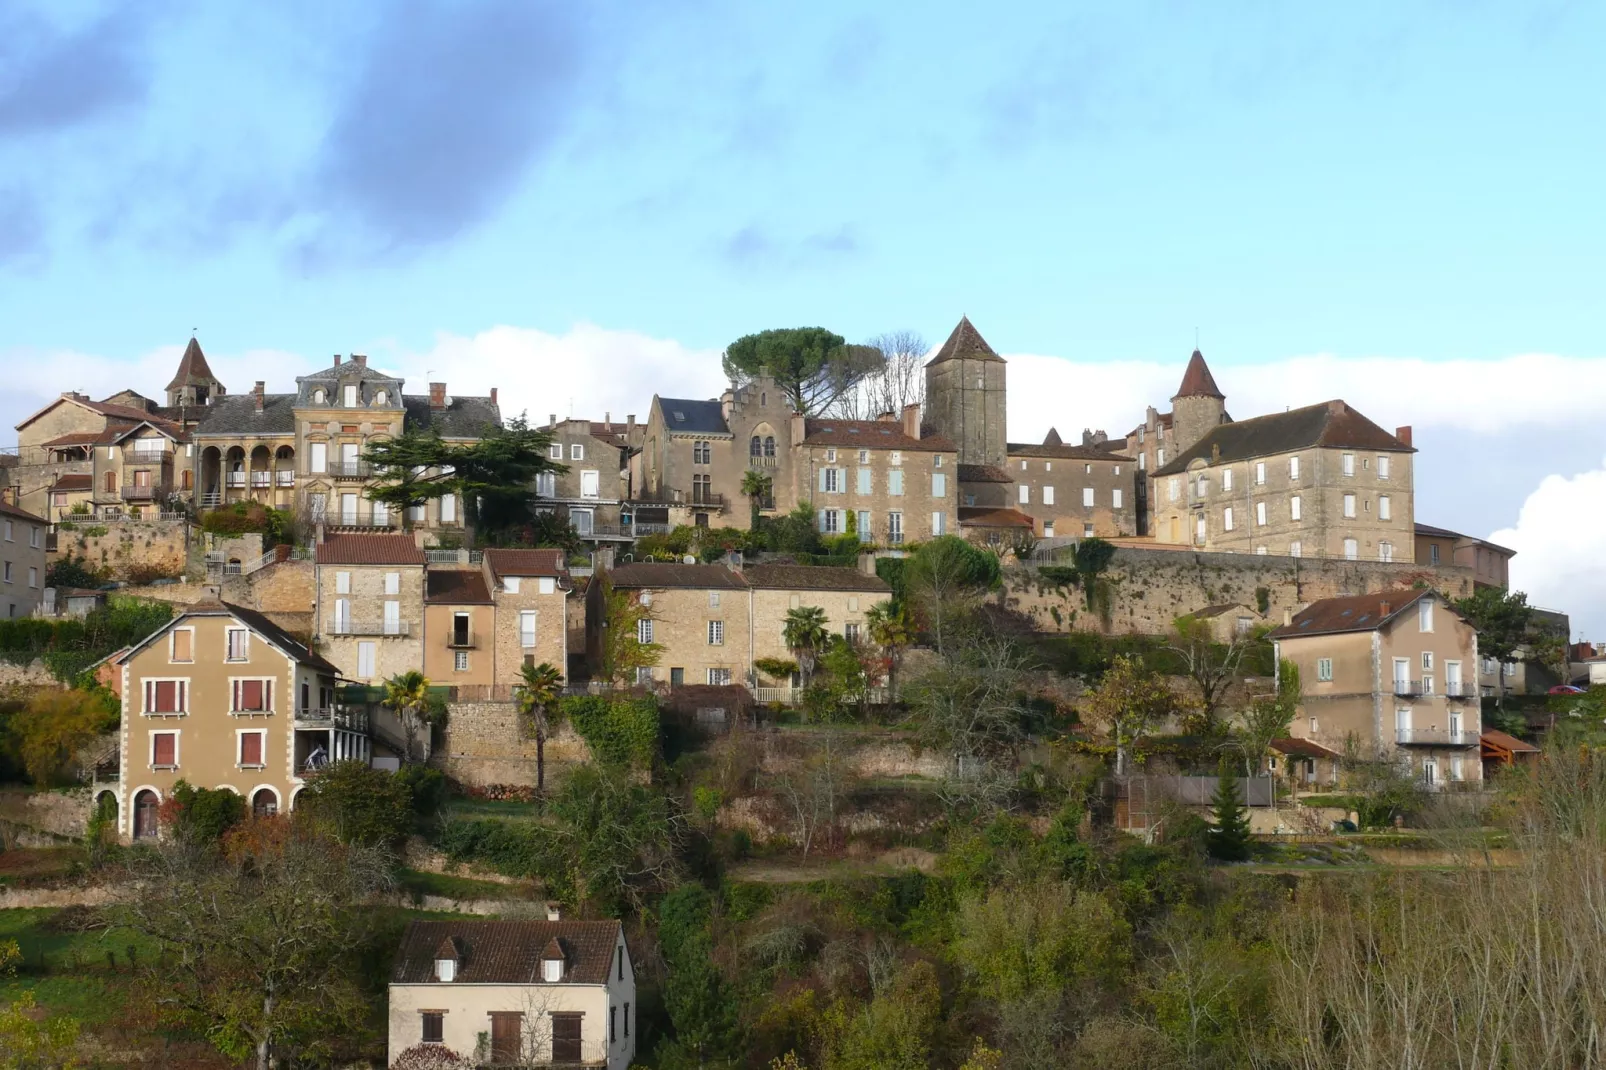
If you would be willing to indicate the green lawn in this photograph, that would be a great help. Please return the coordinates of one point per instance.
(499, 809)
(452, 886)
(68, 970)
(26, 865)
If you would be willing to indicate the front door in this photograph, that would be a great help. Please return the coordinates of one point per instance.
(145, 806)
(348, 458)
(507, 1038)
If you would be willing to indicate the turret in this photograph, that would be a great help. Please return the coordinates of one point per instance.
(965, 396)
(1198, 405)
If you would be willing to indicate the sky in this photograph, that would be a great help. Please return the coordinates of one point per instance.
(581, 204)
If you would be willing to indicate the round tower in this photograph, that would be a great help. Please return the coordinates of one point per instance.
(1198, 405)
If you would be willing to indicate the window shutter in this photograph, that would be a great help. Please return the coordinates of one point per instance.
(822, 480)
(181, 644)
(165, 749)
(251, 748)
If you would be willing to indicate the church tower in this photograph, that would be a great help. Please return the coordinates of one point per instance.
(1198, 405)
(965, 396)
(193, 384)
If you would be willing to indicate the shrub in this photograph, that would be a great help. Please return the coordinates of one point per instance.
(47, 733)
(140, 575)
(360, 805)
(205, 814)
(619, 731)
(72, 571)
(429, 1057)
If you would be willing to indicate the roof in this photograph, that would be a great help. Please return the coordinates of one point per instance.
(983, 473)
(668, 574)
(1197, 382)
(869, 434)
(812, 578)
(87, 438)
(1446, 533)
(7, 509)
(1106, 452)
(1218, 610)
(507, 952)
(965, 343)
(1497, 738)
(455, 586)
(236, 414)
(525, 562)
(685, 416)
(121, 431)
(1302, 748)
(283, 640)
(192, 368)
(464, 417)
(994, 518)
(1331, 424)
(73, 482)
(369, 550)
(1352, 613)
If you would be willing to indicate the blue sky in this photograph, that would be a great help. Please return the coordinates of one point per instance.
(1089, 182)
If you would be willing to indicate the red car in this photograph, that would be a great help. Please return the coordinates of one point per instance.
(1565, 689)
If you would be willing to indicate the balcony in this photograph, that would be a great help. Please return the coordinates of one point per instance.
(234, 479)
(261, 480)
(1463, 689)
(348, 469)
(1408, 688)
(284, 479)
(353, 720)
(461, 639)
(759, 461)
(395, 629)
(382, 522)
(666, 496)
(1434, 736)
(150, 492)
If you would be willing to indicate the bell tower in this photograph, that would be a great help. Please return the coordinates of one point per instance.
(193, 384)
(965, 396)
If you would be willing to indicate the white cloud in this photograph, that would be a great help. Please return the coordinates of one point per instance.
(1560, 539)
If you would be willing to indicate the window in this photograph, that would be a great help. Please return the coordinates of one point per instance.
(831, 480)
(830, 455)
(864, 476)
(939, 523)
(432, 1031)
(619, 955)
(1025, 494)
(448, 508)
(393, 583)
(939, 484)
(554, 452)
(1349, 464)
(864, 525)
(895, 481)
(1226, 519)
(1382, 466)
(1087, 497)
(549, 584)
(8, 532)
(1352, 549)
(1349, 505)
(1087, 531)
(460, 661)
(1115, 498)
(831, 521)
(627, 1019)
(613, 1025)
(1294, 506)
(1456, 771)
(1048, 495)
(1226, 479)
(1260, 473)
(896, 458)
(1261, 551)
(365, 660)
(1142, 459)
(716, 633)
(577, 452)
(164, 750)
(1385, 508)
(527, 629)
(1294, 548)
(1087, 469)
(1023, 466)
(33, 536)
(713, 599)
(850, 632)
(644, 674)
(936, 462)
(769, 445)
(1260, 514)
(1433, 553)
(239, 648)
(181, 645)
(864, 456)
(1427, 661)
(1159, 457)
(167, 696)
(719, 677)
(342, 583)
(1385, 551)
(551, 970)
(1116, 470)
(33, 577)
(1324, 669)
(318, 397)
(8, 572)
(1424, 615)
(1048, 529)
(251, 749)
(1293, 468)
(252, 696)
(644, 631)
(895, 528)
(1173, 488)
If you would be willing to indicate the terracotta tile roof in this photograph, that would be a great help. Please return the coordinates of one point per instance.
(668, 574)
(1197, 382)
(812, 578)
(507, 952)
(525, 562)
(1218, 610)
(369, 550)
(455, 586)
(73, 482)
(7, 509)
(994, 518)
(125, 412)
(1302, 748)
(983, 473)
(1106, 452)
(1507, 742)
(192, 368)
(870, 435)
(87, 438)
(965, 342)
(1331, 424)
(1352, 613)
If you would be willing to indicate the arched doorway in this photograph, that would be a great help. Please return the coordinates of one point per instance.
(146, 805)
(265, 803)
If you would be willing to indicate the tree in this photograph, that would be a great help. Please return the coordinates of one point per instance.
(70, 571)
(1211, 667)
(430, 1057)
(259, 943)
(945, 577)
(359, 805)
(805, 636)
(612, 840)
(1229, 836)
(899, 381)
(30, 1039)
(623, 652)
(971, 704)
(703, 1008)
(1268, 718)
(1128, 701)
(888, 628)
(402, 470)
(47, 733)
(1091, 558)
(408, 694)
(1502, 620)
(758, 487)
(539, 689)
(206, 814)
(812, 367)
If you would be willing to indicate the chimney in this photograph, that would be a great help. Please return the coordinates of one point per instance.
(888, 417)
(493, 395)
(552, 419)
(630, 423)
(337, 360)
(1403, 434)
(607, 419)
(257, 391)
(554, 910)
(437, 396)
(360, 359)
(911, 420)
(727, 401)
(1384, 609)
(1215, 452)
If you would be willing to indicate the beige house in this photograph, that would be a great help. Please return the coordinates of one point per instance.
(369, 614)
(22, 561)
(223, 698)
(71, 453)
(1073, 491)
(591, 492)
(885, 479)
(516, 993)
(531, 590)
(689, 471)
(846, 595)
(1490, 563)
(1393, 674)
(459, 628)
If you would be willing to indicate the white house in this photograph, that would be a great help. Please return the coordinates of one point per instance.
(516, 992)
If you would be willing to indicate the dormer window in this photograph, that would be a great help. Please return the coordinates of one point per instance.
(448, 956)
(553, 963)
(379, 397)
(318, 396)
(349, 398)
(446, 970)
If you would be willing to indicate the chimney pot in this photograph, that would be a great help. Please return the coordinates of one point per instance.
(552, 419)
(554, 911)
(1384, 609)
(337, 360)
(607, 418)
(437, 396)
(1403, 434)
(257, 390)
(493, 395)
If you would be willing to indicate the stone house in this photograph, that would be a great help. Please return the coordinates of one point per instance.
(22, 561)
(1229, 621)
(846, 594)
(592, 492)
(1394, 673)
(516, 993)
(221, 697)
(65, 450)
(1318, 481)
(1490, 563)
(884, 479)
(1073, 491)
(688, 466)
(531, 590)
(459, 634)
(369, 612)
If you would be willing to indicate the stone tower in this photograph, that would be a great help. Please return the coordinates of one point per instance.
(193, 384)
(1197, 406)
(965, 396)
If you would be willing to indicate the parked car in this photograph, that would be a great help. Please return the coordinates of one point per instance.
(1566, 689)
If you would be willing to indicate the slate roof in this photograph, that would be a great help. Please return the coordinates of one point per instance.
(7, 509)
(455, 586)
(1197, 382)
(192, 368)
(870, 435)
(369, 550)
(995, 518)
(1351, 613)
(465, 417)
(983, 473)
(685, 416)
(812, 578)
(73, 482)
(1330, 424)
(525, 562)
(507, 952)
(1070, 453)
(236, 414)
(965, 342)
(88, 438)
(668, 574)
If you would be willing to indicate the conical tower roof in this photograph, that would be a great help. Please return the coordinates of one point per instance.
(966, 342)
(1053, 438)
(192, 368)
(1197, 382)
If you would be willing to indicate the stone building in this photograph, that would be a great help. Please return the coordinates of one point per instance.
(883, 479)
(531, 589)
(1490, 563)
(1073, 491)
(22, 561)
(689, 470)
(965, 396)
(369, 613)
(67, 450)
(1396, 673)
(459, 636)
(593, 492)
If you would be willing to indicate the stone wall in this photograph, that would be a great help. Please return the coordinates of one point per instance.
(31, 674)
(57, 813)
(120, 547)
(484, 743)
(1151, 588)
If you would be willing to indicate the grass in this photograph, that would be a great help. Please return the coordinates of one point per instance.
(27, 865)
(65, 968)
(450, 886)
(497, 809)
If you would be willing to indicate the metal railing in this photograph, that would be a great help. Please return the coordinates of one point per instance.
(438, 556)
(1410, 687)
(1432, 736)
(1462, 689)
(355, 720)
(348, 469)
(234, 479)
(394, 628)
(755, 460)
(261, 479)
(791, 696)
(211, 500)
(245, 568)
(284, 479)
(355, 520)
(461, 640)
(133, 492)
(649, 529)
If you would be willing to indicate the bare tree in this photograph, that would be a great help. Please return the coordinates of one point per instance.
(900, 380)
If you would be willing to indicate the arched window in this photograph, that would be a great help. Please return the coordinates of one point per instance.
(145, 808)
(264, 803)
(769, 445)
(755, 447)
(379, 397)
(317, 397)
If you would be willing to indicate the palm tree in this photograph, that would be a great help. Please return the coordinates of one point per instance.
(408, 694)
(888, 628)
(538, 700)
(758, 487)
(805, 637)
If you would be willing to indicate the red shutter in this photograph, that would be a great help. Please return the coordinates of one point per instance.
(166, 697)
(251, 748)
(251, 695)
(165, 748)
(267, 694)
